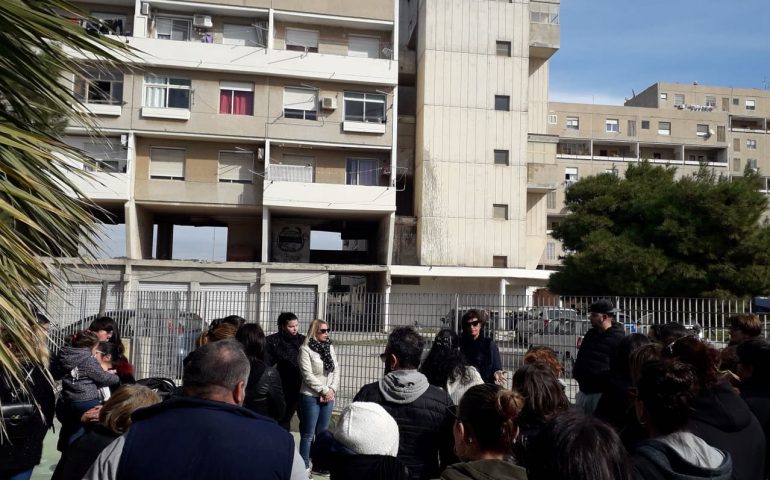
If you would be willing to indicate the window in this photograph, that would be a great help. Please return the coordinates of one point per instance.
(612, 125)
(502, 102)
(751, 163)
(664, 128)
(664, 96)
(300, 103)
(302, 40)
(550, 200)
(736, 164)
(721, 133)
(365, 107)
(632, 128)
(702, 130)
(573, 123)
(166, 92)
(711, 101)
(359, 171)
(108, 155)
(645, 124)
(751, 104)
(499, 261)
(364, 47)
(550, 251)
(725, 104)
(500, 211)
(736, 101)
(247, 35)
(99, 86)
(236, 167)
(167, 163)
(751, 144)
(543, 13)
(236, 98)
(570, 176)
(503, 48)
(737, 144)
(501, 157)
(552, 119)
(678, 99)
(169, 28)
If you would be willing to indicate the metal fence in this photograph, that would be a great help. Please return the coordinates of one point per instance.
(160, 328)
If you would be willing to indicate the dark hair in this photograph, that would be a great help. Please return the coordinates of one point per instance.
(755, 353)
(221, 331)
(108, 324)
(406, 345)
(491, 414)
(284, 318)
(747, 323)
(215, 365)
(234, 320)
(85, 339)
(108, 348)
(670, 332)
(654, 329)
(545, 355)
(620, 364)
(728, 359)
(252, 338)
(703, 358)
(640, 356)
(575, 446)
(474, 314)
(666, 389)
(445, 361)
(543, 394)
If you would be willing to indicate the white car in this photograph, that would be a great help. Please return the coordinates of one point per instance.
(564, 337)
(537, 319)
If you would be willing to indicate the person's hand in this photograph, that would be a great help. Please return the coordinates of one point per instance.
(500, 377)
(329, 396)
(91, 416)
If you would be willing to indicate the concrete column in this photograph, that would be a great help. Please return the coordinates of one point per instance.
(270, 30)
(265, 257)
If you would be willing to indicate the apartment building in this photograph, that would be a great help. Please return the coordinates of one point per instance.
(680, 125)
(330, 145)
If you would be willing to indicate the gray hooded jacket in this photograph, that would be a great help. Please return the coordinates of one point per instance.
(81, 374)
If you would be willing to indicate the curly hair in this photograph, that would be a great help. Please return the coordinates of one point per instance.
(544, 355)
(667, 389)
(445, 362)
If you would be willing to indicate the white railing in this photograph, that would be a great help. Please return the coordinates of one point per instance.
(291, 173)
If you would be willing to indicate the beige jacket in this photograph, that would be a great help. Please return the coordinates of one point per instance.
(316, 382)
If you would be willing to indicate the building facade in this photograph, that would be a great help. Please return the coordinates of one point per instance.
(388, 146)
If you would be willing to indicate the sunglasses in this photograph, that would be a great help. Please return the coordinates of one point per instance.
(670, 346)
(323, 330)
(474, 323)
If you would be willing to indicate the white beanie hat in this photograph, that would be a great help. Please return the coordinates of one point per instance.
(367, 429)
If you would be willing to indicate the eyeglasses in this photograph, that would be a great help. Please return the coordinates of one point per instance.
(323, 330)
(474, 323)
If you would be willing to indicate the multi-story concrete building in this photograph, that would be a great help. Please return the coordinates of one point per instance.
(681, 125)
(385, 146)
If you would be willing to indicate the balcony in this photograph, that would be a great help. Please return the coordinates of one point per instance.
(107, 178)
(544, 30)
(748, 124)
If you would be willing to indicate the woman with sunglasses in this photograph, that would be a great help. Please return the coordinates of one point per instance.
(481, 351)
(446, 368)
(485, 428)
(320, 375)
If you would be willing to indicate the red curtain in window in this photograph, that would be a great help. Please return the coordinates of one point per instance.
(243, 103)
(225, 101)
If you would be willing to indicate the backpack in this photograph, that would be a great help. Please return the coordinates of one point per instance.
(164, 387)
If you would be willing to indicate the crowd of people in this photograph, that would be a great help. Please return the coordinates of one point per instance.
(660, 405)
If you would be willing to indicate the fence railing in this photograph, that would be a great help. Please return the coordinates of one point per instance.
(159, 328)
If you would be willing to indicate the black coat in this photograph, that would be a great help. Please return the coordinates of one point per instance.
(757, 397)
(264, 393)
(25, 453)
(724, 421)
(425, 429)
(616, 407)
(592, 366)
(483, 354)
(345, 464)
(79, 456)
(283, 352)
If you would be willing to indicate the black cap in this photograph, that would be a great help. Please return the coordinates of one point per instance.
(602, 306)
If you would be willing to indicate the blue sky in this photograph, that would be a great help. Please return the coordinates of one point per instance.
(609, 47)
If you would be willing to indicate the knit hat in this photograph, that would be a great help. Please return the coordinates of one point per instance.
(367, 429)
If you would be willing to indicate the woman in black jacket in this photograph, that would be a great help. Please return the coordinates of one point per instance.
(22, 450)
(481, 351)
(264, 394)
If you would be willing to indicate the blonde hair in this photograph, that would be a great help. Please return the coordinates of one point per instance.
(116, 412)
(315, 325)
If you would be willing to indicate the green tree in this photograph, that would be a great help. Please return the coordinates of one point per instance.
(42, 213)
(650, 234)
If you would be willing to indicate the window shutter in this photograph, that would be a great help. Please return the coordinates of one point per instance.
(236, 167)
(167, 163)
(302, 38)
(365, 47)
(300, 99)
(239, 35)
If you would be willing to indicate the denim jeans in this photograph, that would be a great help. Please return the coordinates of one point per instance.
(20, 475)
(314, 418)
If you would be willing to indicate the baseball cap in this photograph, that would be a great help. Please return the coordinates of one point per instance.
(602, 306)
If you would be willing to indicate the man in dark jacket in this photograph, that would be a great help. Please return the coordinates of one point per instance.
(205, 434)
(282, 352)
(420, 409)
(754, 371)
(592, 366)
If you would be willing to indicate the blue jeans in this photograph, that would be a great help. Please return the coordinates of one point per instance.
(25, 475)
(314, 418)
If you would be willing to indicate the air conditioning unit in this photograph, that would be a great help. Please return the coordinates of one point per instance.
(329, 103)
(124, 140)
(202, 21)
(260, 153)
(145, 8)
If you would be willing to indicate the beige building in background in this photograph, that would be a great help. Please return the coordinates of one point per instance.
(679, 125)
(412, 135)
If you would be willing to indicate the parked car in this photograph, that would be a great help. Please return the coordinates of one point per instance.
(564, 337)
(537, 319)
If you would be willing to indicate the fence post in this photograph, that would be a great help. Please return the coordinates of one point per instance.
(386, 312)
(457, 313)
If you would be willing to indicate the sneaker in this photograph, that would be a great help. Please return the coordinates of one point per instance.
(309, 473)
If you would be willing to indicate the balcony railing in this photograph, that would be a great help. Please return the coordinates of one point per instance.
(291, 173)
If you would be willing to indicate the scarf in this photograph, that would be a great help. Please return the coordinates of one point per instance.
(324, 350)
